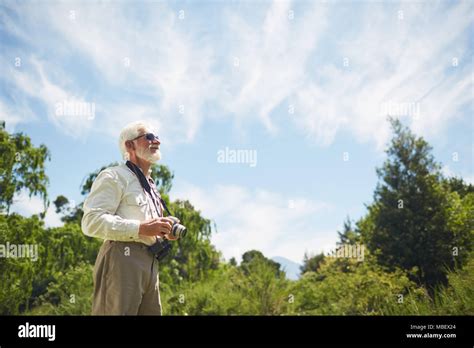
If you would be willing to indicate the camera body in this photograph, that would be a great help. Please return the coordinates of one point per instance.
(162, 247)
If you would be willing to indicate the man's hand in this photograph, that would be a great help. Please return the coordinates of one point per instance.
(156, 227)
(170, 237)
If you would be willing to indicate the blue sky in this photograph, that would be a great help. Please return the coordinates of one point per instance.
(298, 83)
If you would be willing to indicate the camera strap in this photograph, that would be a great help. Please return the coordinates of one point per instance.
(146, 186)
(161, 247)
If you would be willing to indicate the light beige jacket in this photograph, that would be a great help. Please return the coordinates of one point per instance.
(116, 205)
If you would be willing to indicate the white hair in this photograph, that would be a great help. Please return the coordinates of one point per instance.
(129, 132)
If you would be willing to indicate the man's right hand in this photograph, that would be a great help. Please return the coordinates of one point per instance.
(156, 227)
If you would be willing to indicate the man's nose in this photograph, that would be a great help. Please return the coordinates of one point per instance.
(156, 141)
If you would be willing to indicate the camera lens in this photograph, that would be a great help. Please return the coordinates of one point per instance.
(178, 231)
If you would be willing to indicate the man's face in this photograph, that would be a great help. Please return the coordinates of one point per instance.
(147, 150)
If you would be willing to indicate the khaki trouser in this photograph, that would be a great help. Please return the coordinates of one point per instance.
(126, 280)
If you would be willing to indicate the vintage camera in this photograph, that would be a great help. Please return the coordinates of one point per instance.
(162, 247)
(177, 230)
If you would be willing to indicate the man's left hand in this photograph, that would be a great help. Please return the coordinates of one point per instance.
(169, 236)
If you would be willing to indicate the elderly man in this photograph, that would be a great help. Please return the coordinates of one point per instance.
(127, 213)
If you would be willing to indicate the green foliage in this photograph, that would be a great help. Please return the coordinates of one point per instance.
(212, 296)
(163, 178)
(21, 167)
(254, 259)
(455, 298)
(71, 294)
(193, 256)
(458, 297)
(86, 186)
(61, 203)
(458, 185)
(263, 288)
(414, 221)
(17, 274)
(70, 213)
(311, 263)
(60, 249)
(231, 290)
(349, 235)
(348, 287)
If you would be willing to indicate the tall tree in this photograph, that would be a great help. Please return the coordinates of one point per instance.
(410, 217)
(21, 167)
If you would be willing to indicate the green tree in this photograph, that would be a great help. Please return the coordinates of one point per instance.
(311, 263)
(253, 258)
(192, 257)
(163, 177)
(458, 185)
(70, 213)
(264, 287)
(61, 203)
(21, 167)
(349, 235)
(409, 222)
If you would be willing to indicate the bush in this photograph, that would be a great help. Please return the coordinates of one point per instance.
(231, 291)
(348, 287)
(71, 294)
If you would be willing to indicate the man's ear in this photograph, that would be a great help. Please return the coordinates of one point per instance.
(130, 145)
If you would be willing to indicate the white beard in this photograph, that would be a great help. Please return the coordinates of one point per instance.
(149, 156)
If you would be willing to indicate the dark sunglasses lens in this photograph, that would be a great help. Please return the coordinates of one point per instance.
(151, 137)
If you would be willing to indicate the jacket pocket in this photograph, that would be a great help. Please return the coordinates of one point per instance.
(137, 203)
(139, 200)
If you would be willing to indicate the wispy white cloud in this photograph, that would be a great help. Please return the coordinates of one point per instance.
(13, 115)
(157, 57)
(270, 59)
(393, 59)
(297, 54)
(52, 94)
(259, 219)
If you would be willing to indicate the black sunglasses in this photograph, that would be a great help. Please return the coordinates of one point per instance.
(148, 136)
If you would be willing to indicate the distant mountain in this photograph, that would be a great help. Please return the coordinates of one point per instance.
(291, 268)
